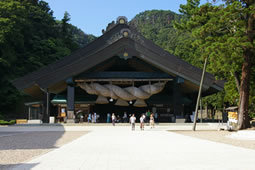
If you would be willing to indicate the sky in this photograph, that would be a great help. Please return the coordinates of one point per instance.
(92, 16)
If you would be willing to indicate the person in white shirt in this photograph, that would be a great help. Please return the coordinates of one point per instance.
(113, 119)
(132, 121)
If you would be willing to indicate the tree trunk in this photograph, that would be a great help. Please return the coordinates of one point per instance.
(212, 114)
(243, 114)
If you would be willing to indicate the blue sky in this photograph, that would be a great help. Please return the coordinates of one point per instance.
(93, 15)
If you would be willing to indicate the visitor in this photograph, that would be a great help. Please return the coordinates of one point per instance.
(108, 118)
(132, 121)
(89, 118)
(95, 117)
(151, 121)
(144, 118)
(81, 118)
(142, 122)
(113, 119)
(92, 118)
(117, 119)
(98, 118)
(148, 114)
(156, 117)
(125, 117)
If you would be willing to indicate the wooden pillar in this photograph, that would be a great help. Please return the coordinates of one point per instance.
(177, 97)
(29, 112)
(46, 107)
(70, 101)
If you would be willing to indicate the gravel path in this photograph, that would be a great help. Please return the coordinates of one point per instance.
(18, 147)
(219, 136)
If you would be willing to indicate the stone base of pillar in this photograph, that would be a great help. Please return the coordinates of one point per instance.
(70, 114)
(70, 121)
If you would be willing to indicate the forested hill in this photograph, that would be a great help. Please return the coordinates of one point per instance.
(157, 25)
(30, 38)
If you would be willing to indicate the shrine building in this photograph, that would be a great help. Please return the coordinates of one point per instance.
(121, 71)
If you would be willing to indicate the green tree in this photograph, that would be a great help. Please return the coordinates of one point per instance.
(225, 34)
(30, 38)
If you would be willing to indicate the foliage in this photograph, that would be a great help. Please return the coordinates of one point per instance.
(1, 116)
(30, 38)
(214, 31)
(157, 25)
(77, 35)
(225, 35)
(11, 122)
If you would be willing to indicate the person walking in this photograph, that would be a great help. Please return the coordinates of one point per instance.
(142, 122)
(148, 114)
(144, 118)
(108, 118)
(125, 117)
(151, 121)
(113, 119)
(95, 117)
(132, 121)
(89, 118)
(156, 117)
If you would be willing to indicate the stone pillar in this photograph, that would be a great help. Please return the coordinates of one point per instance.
(70, 102)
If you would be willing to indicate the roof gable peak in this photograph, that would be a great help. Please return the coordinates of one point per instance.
(119, 20)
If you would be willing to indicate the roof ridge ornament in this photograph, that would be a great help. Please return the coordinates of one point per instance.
(125, 32)
(109, 27)
(122, 20)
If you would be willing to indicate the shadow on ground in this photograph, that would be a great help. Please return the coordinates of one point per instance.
(12, 166)
(30, 140)
(46, 139)
(21, 143)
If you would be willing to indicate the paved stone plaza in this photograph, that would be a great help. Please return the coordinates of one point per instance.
(110, 148)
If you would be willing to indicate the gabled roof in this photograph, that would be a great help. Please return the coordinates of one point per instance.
(120, 37)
